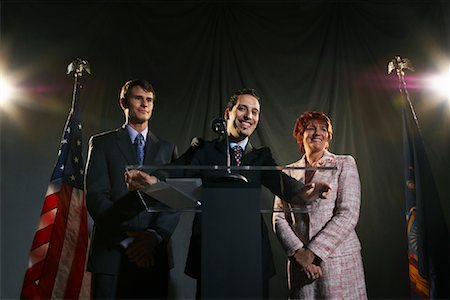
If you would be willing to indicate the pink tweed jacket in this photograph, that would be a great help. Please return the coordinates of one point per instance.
(330, 230)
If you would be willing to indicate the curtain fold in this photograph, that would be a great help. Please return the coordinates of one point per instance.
(299, 56)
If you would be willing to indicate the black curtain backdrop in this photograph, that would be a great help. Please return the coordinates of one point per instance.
(300, 55)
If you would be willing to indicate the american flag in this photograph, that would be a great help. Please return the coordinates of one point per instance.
(56, 266)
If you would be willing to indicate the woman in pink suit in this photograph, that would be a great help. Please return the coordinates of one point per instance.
(324, 252)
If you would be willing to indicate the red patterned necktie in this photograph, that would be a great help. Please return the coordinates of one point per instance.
(237, 152)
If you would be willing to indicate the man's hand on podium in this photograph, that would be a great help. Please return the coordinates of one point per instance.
(140, 251)
(138, 180)
(311, 192)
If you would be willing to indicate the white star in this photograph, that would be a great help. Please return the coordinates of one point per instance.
(62, 167)
(68, 129)
(63, 141)
(79, 126)
(78, 142)
(72, 177)
(81, 172)
(75, 159)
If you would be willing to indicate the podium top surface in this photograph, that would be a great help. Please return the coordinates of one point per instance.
(220, 167)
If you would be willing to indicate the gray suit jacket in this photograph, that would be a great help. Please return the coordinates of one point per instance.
(113, 208)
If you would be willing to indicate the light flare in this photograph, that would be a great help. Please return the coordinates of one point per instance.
(440, 83)
(7, 90)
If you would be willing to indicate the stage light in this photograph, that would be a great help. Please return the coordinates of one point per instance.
(440, 83)
(6, 90)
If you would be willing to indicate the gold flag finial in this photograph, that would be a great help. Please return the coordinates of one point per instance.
(78, 66)
(398, 64)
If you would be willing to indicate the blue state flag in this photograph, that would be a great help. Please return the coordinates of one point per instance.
(428, 236)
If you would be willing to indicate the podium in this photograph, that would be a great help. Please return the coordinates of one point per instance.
(232, 259)
(231, 241)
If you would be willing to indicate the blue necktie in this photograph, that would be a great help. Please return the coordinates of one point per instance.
(139, 143)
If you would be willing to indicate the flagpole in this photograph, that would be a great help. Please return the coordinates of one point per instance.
(427, 233)
(419, 280)
(77, 67)
(399, 64)
(81, 290)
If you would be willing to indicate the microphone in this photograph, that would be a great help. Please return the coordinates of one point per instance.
(219, 125)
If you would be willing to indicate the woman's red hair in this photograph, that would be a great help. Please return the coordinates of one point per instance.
(302, 122)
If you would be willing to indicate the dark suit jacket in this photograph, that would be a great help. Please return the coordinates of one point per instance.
(214, 153)
(115, 209)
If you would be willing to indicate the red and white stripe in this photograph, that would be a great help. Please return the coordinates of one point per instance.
(56, 268)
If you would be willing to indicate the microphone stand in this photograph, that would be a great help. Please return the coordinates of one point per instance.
(219, 126)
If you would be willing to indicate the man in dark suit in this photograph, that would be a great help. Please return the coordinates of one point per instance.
(242, 117)
(129, 255)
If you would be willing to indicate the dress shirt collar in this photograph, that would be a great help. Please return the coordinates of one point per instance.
(133, 133)
(242, 143)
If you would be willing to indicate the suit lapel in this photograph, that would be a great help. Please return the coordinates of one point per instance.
(248, 149)
(221, 146)
(151, 148)
(302, 163)
(328, 160)
(249, 154)
(298, 174)
(126, 147)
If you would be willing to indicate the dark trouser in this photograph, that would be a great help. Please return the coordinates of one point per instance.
(142, 283)
(134, 282)
(104, 286)
(265, 289)
(193, 261)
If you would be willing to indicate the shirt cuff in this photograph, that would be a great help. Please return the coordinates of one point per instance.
(126, 242)
(158, 236)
